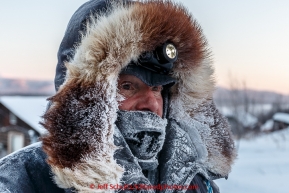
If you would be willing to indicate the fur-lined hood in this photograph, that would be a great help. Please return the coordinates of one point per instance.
(81, 119)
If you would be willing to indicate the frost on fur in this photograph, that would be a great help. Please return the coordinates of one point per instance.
(91, 171)
(213, 129)
(80, 143)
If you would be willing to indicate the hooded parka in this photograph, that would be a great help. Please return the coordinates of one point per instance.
(84, 150)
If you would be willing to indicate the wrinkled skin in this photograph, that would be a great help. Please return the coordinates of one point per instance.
(139, 96)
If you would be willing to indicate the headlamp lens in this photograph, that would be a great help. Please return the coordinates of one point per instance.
(171, 51)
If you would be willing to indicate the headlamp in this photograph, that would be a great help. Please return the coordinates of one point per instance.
(160, 60)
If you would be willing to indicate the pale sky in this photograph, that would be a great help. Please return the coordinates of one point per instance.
(249, 39)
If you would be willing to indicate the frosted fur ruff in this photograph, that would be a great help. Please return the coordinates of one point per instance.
(81, 120)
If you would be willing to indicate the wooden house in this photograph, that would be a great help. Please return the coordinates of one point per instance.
(281, 121)
(19, 122)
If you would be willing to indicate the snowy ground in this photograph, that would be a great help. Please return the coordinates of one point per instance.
(262, 166)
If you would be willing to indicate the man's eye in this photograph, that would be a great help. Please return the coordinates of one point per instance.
(127, 86)
(127, 89)
(157, 88)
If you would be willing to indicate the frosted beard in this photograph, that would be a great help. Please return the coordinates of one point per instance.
(144, 132)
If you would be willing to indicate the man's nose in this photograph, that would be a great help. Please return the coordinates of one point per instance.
(148, 101)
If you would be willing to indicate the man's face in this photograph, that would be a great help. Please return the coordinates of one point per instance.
(139, 96)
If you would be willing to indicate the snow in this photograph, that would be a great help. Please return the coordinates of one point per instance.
(268, 125)
(257, 109)
(281, 117)
(247, 119)
(262, 165)
(29, 109)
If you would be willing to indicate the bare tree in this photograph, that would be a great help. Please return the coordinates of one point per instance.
(240, 106)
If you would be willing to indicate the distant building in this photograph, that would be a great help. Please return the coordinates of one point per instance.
(239, 116)
(281, 121)
(239, 120)
(19, 122)
(267, 126)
